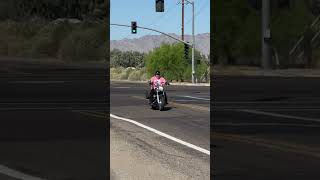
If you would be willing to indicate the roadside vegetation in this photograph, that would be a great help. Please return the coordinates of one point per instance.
(168, 59)
(237, 30)
(63, 40)
(67, 30)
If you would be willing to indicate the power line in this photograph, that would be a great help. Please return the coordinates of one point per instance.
(200, 10)
(162, 18)
(159, 17)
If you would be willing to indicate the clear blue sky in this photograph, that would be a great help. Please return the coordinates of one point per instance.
(143, 12)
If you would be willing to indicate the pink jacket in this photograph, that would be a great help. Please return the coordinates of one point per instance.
(154, 81)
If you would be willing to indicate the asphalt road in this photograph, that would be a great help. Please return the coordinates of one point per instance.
(53, 126)
(266, 128)
(43, 133)
(187, 118)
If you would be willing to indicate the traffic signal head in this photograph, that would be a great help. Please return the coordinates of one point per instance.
(159, 5)
(134, 27)
(186, 51)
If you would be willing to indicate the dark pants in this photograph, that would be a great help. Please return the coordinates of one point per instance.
(152, 91)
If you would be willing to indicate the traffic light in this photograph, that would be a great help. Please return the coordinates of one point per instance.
(134, 27)
(159, 5)
(186, 51)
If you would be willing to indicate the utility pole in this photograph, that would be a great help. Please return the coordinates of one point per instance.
(193, 41)
(193, 44)
(266, 35)
(182, 24)
(193, 37)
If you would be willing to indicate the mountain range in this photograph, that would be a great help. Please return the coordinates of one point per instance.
(149, 42)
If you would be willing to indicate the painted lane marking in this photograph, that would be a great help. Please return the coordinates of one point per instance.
(16, 174)
(162, 134)
(37, 82)
(272, 144)
(192, 97)
(185, 100)
(264, 124)
(279, 115)
(102, 115)
(264, 102)
(120, 87)
(196, 107)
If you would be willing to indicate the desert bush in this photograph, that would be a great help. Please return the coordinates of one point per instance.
(83, 45)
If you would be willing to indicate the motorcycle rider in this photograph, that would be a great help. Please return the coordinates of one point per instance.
(153, 82)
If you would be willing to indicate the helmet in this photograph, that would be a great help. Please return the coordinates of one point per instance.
(157, 73)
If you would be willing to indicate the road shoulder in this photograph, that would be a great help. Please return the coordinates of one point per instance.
(139, 154)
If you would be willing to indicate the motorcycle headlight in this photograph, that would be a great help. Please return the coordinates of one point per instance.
(161, 88)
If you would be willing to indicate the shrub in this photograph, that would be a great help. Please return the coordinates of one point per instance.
(83, 45)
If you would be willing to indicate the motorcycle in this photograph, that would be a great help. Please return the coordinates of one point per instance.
(159, 97)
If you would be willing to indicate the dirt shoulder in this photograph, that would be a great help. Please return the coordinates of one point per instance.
(137, 154)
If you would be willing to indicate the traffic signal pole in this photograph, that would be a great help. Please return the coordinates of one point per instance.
(177, 39)
(193, 45)
(182, 24)
(190, 44)
(193, 41)
(266, 35)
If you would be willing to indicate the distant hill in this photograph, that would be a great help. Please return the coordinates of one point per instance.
(149, 42)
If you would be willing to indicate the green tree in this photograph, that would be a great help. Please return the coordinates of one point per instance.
(169, 60)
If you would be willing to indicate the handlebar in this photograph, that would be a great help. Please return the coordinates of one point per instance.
(150, 83)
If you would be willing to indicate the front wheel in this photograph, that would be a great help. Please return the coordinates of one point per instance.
(161, 103)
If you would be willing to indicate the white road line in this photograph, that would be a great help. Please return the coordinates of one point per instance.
(265, 124)
(16, 174)
(120, 87)
(185, 100)
(163, 134)
(192, 97)
(273, 108)
(52, 103)
(279, 115)
(49, 108)
(263, 102)
(36, 82)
